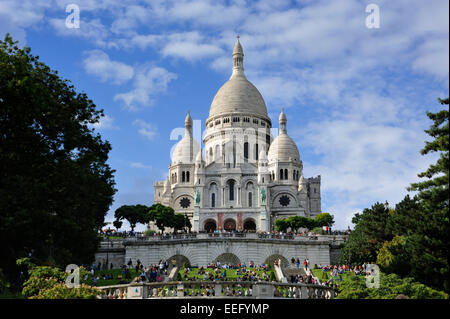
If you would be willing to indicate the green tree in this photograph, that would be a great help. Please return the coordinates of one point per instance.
(324, 219)
(180, 221)
(118, 224)
(391, 286)
(45, 282)
(429, 244)
(281, 225)
(368, 236)
(163, 216)
(393, 257)
(132, 213)
(55, 184)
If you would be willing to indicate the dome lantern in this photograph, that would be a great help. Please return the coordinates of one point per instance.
(282, 120)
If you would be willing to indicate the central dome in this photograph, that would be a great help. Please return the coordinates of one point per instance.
(238, 95)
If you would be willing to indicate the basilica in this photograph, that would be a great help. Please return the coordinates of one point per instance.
(243, 178)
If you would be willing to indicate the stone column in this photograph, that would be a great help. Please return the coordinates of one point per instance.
(239, 221)
(219, 221)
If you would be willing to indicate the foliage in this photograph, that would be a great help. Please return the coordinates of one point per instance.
(391, 285)
(324, 219)
(55, 184)
(295, 223)
(281, 225)
(165, 216)
(393, 257)
(4, 284)
(47, 282)
(132, 213)
(368, 236)
(118, 224)
(428, 244)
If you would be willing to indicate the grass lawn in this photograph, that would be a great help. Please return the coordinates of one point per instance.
(320, 275)
(115, 272)
(230, 273)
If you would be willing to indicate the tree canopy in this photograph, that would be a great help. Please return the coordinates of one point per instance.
(55, 184)
(412, 239)
(165, 216)
(133, 214)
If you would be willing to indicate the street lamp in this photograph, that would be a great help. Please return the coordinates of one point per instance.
(349, 250)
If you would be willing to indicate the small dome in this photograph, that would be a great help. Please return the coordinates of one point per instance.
(283, 149)
(185, 150)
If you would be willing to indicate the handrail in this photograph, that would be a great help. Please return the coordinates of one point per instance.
(222, 289)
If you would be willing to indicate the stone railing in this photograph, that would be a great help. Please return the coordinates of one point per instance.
(216, 289)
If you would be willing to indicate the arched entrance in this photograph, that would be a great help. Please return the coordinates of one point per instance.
(178, 260)
(210, 225)
(249, 224)
(229, 224)
(228, 258)
(270, 260)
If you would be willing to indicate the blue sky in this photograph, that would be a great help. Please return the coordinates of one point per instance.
(355, 97)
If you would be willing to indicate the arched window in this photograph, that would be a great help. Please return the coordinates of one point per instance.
(250, 203)
(183, 177)
(213, 200)
(256, 152)
(231, 189)
(281, 174)
(187, 177)
(246, 150)
(286, 176)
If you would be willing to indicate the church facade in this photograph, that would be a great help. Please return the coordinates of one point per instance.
(243, 178)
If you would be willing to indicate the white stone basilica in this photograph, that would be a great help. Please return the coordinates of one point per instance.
(243, 179)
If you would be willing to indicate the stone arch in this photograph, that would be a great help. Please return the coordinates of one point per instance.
(270, 260)
(249, 224)
(178, 260)
(229, 224)
(209, 225)
(227, 258)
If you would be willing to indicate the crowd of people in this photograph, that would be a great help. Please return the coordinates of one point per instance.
(218, 272)
(132, 234)
(151, 273)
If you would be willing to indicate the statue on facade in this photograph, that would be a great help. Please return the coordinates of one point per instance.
(197, 197)
(263, 196)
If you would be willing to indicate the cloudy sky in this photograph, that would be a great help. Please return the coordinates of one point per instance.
(355, 97)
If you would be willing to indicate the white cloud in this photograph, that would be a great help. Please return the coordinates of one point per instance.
(99, 64)
(145, 129)
(16, 16)
(105, 122)
(140, 165)
(147, 82)
(92, 30)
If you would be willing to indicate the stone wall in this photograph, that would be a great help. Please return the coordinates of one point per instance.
(202, 250)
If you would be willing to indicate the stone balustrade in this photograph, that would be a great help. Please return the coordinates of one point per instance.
(217, 289)
(288, 237)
